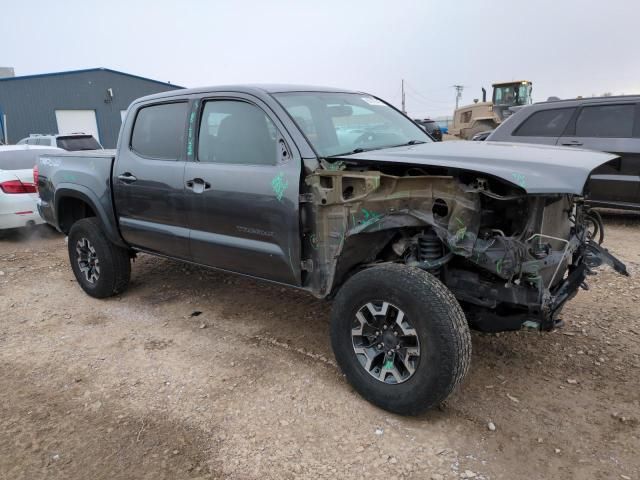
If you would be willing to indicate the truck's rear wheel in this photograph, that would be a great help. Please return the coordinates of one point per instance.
(101, 268)
(400, 337)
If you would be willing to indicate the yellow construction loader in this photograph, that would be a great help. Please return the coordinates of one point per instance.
(482, 116)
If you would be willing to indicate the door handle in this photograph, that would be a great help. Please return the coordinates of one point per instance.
(198, 185)
(572, 143)
(127, 177)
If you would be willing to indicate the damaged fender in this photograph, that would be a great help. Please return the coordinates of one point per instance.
(527, 269)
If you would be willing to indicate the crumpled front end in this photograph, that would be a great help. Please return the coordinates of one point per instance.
(511, 259)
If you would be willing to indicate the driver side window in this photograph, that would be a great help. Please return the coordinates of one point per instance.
(233, 131)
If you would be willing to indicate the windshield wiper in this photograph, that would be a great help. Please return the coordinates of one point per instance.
(352, 152)
(360, 149)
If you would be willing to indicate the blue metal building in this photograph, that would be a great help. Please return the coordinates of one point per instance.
(90, 101)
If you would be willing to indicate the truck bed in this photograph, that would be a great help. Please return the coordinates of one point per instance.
(86, 173)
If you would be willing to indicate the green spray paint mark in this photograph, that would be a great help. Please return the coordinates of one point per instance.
(279, 185)
(69, 177)
(192, 119)
(388, 364)
(339, 165)
(314, 241)
(367, 214)
(460, 234)
(499, 266)
(369, 217)
(520, 179)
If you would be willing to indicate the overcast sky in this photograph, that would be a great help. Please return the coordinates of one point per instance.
(566, 47)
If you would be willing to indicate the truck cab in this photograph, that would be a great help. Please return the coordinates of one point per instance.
(192, 172)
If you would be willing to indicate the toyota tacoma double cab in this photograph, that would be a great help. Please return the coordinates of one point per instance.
(339, 194)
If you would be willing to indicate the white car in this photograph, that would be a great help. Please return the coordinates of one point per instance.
(18, 192)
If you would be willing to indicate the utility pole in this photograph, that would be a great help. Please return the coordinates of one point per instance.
(459, 89)
(404, 110)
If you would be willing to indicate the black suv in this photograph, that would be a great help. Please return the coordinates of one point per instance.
(607, 124)
(431, 127)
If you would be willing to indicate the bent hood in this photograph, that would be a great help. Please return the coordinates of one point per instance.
(534, 168)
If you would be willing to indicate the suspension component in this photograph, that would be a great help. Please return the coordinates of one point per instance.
(429, 252)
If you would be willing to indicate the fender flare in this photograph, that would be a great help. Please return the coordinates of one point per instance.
(107, 219)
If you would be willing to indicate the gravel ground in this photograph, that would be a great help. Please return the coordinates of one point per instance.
(197, 374)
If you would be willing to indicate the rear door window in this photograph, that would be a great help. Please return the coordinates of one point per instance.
(159, 131)
(608, 121)
(546, 123)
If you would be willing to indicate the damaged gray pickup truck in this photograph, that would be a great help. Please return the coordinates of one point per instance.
(339, 194)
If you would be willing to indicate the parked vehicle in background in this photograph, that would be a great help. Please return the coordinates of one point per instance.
(339, 194)
(607, 124)
(431, 127)
(482, 136)
(18, 194)
(71, 142)
(481, 116)
(444, 126)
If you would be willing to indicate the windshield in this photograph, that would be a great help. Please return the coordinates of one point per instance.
(344, 123)
(79, 142)
(516, 94)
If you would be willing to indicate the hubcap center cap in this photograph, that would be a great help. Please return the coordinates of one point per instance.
(389, 339)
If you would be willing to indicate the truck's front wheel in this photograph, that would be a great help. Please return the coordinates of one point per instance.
(101, 268)
(400, 337)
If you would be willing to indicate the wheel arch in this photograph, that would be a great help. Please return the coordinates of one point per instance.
(374, 245)
(75, 202)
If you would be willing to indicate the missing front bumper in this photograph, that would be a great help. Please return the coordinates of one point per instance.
(498, 307)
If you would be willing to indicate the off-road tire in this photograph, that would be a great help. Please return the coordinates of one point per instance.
(438, 320)
(114, 262)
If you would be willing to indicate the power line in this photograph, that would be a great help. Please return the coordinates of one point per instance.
(428, 100)
(421, 95)
(419, 104)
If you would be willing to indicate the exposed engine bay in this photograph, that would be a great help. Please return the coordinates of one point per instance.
(512, 259)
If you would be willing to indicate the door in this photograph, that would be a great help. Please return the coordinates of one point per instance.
(148, 180)
(543, 126)
(77, 121)
(611, 127)
(243, 186)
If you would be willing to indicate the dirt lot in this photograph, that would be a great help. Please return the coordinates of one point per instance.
(142, 386)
